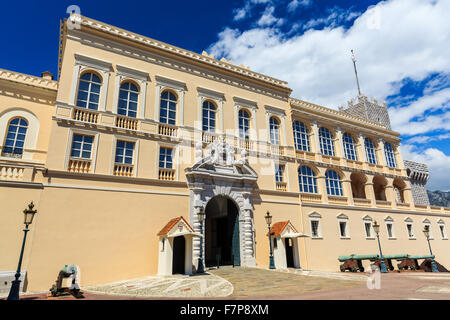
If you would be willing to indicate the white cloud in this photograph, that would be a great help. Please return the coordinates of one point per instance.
(412, 41)
(268, 18)
(294, 4)
(438, 164)
(393, 41)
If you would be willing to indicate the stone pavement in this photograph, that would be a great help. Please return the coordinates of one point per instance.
(257, 283)
(254, 282)
(181, 286)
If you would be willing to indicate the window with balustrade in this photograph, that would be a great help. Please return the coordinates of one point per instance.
(15, 138)
(165, 158)
(301, 136)
(128, 99)
(334, 183)
(279, 173)
(274, 125)
(349, 147)
(209, 116)
(89, 91)
(390, 155)
(371, 153)
(168, 107)
(81, 146)
(326, 141)
(124, 152)
(307, 179)
(244, 124)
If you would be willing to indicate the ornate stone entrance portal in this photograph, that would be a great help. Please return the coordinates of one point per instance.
(222, 232)
(222, 187)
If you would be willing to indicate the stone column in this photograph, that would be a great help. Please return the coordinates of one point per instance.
(316, 142)
(197, 205)
(339, 144)
(249, 257)
(390, 193)
(361, 148)
(321, 185)
(370, 193)
(347, 186)
(381, 156)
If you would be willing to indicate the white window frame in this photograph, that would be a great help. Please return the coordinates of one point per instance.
(179, 87)
(135, 153)
(175, 158)
(440, 224)
(343, 218)
(125, 74)
(85, 64)
(372, 235)
(427, 222)
(93, 159)
(217, 98)
(408, 221)
(316, 217)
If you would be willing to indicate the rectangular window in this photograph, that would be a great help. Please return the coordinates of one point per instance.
(442, 230)
(389, 230)
(81, 146)
(165, 158)
(410, 231)
(368, 226)
(279, 173)
(315, 228)
(342, 228)
(124, 152)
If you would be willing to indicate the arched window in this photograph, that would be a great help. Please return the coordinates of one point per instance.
(390, 156)
(15, 138)
(89, 91)
(274, 130)
(301, 136)
(307, 179)
(128, 99)
(167, 110)
(334, 184)
(209, 116)
(371, 154)
(349, 147)
(326, 141)
(244, 124)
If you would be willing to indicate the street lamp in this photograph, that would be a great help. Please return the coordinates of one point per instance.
(15, 287)
(426, 231)
(201, 218)
(268, 218)
(376, 228)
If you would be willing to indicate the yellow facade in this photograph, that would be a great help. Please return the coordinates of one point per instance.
(104, 215)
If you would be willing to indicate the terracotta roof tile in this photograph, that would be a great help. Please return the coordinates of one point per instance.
(277, 228)
(171, 224)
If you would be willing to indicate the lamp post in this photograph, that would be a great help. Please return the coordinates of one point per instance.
(15, 287)
(376, 228)
(201, 218)
(268, 218)
(426, 231)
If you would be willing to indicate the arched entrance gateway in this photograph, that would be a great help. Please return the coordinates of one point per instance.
(222, 187)
(222, 232)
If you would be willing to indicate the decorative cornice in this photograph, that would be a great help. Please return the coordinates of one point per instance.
(172, 83)
(210, 93)
(29, 80)
(300, 105)
(124, 34)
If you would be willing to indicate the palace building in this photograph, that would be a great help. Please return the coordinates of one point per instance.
(137, 138)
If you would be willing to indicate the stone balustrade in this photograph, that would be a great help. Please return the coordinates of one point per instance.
(166, 174)
(126, 123)
(85, 115)
(281, 186)
(10, 172)
(124, 170)
(311, 197)
(79, 165)
(167, 130)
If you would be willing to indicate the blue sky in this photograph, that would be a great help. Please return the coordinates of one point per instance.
(401, 48)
